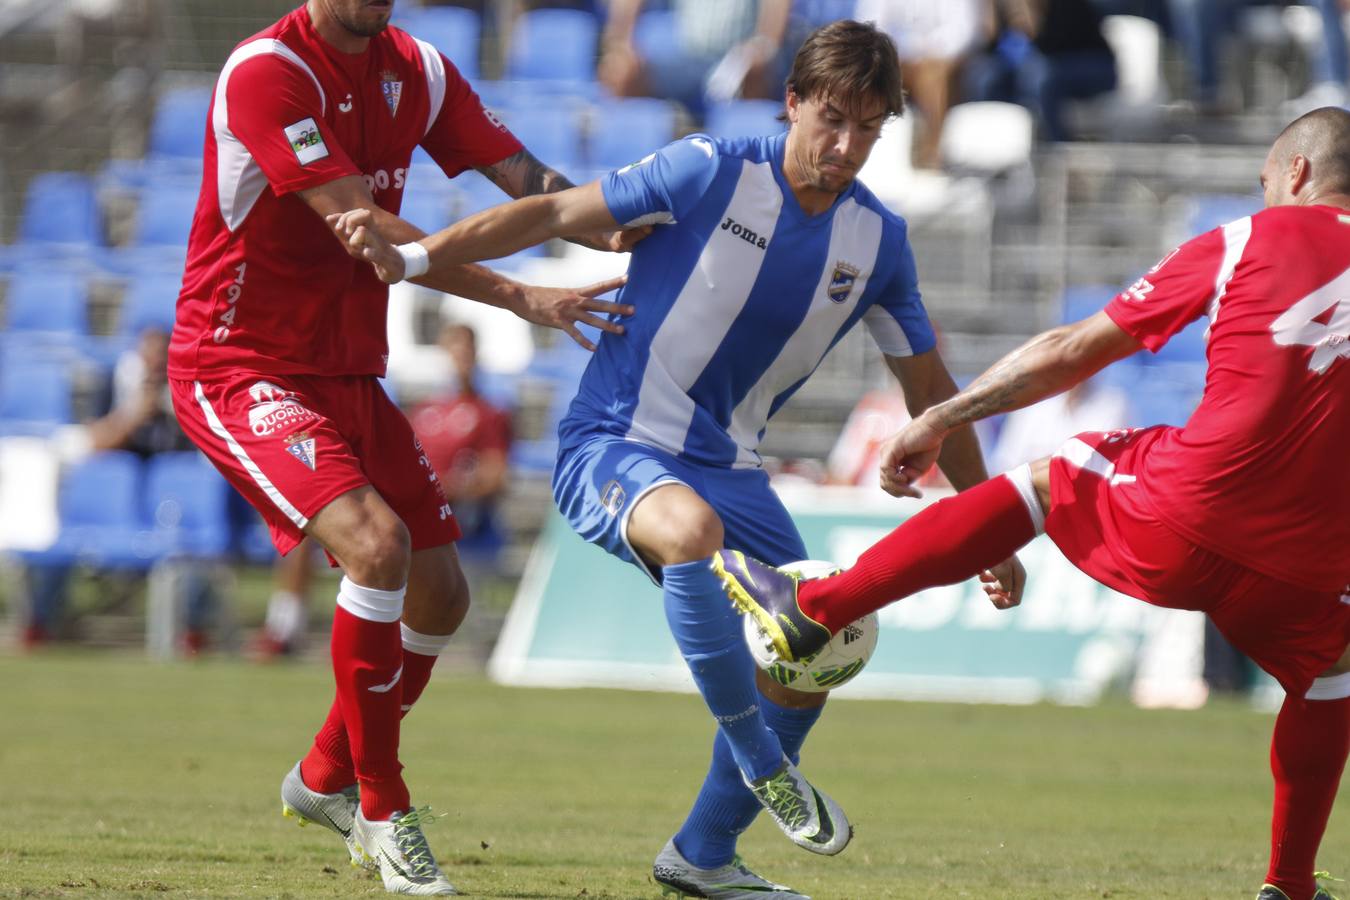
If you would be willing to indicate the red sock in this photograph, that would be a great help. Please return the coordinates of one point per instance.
(947, 542)
(368, 666)
(328, 768)
(416, 673)
(1307, 754)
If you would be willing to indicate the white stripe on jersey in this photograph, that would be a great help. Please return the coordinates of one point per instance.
(434, 68)
(270, 489)
(1235, 237)
(855, 238)
(239, 179)
(1086, 457)
(702, 314)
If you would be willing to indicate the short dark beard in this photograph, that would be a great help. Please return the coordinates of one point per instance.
(367, 32)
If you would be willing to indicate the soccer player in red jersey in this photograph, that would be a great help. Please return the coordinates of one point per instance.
(280, 340)
(1244, 513)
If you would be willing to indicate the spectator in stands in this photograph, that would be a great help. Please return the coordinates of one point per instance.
(1044, 52)
(720, 49)
(139, 418)
(283, 629)
(934, 40)
(856, 453)
(467, 439)
(1331, 67)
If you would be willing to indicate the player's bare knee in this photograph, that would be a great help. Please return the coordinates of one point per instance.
(380, 555)
(692, 533)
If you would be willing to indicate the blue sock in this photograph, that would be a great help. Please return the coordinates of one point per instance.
(708, 632)
(725, 807)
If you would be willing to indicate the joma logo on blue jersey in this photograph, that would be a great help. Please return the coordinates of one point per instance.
(745, 234)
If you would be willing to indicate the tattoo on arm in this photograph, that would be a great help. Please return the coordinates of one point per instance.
(522, 175)
(998, 390)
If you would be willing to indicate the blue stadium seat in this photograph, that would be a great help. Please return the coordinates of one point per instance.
(47, 301)
(744, 118)
(550, 130)
(149, 301)
(164, 217)
(1082, 300)
(35, 394)
(178, 128)
(100, 512)
(61, 208)
(554, 45)
(452, 30)
(624, 131)
(1208, 211)
(187, 504)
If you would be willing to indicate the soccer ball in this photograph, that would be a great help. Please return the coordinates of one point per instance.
(837, 662)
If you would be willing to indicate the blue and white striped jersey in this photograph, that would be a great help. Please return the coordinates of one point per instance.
(738, 295)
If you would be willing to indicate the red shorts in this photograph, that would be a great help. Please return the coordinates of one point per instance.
(1103, 522)
(291, 444)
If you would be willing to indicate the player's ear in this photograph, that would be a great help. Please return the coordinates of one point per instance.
(1300, 173)
(794, 104)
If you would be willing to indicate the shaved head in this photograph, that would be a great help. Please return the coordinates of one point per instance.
(1310, 159)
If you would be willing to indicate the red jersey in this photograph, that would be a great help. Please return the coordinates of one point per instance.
(268, 288)
(1255, 475)
(455, 430)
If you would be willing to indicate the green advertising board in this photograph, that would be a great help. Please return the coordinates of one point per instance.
(582, 618)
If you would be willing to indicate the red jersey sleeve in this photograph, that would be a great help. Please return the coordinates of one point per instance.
(275, 110)
(465, 135)
(1172, 294)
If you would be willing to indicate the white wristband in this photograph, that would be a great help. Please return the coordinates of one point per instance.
(416, 260)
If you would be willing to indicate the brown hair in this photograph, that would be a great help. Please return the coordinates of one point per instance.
(848, 61)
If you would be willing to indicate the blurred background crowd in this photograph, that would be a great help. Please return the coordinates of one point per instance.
(1054, 149)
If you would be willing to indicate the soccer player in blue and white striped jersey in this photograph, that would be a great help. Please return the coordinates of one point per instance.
(764, 252)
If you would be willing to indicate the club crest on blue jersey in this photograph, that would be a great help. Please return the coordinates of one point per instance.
(841, 281)
(612, 497)
(392, 89)
(301, 446)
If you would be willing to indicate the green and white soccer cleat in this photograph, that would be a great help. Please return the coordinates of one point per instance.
(680, 878)
(336, 812)
(1271, 892)
(809, 818)
(400, 850)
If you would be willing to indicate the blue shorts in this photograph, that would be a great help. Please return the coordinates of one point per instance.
(597, 483)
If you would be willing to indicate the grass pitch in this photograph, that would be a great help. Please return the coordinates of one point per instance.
(123, 778)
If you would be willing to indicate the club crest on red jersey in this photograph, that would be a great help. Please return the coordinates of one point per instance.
(301, 446)
(841, 281)
(392, 88)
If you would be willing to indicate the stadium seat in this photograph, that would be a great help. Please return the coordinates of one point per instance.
(178, 128)
(1082, 300)
(47, 301)
(101, 522)
(164, 217)
(149, 301)
(61, 208)
(624, 131)
(35, 396)
(744, 118)
(554, 45)
(187, 504)
(429, 210)
(1204, 212)
(987, 137)
(452, 30)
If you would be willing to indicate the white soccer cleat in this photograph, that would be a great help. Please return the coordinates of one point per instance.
(681, 878)
(809, 818)
(399, 849)
(336, 812)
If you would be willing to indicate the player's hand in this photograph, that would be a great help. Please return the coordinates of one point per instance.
(625, 239)
(1005, 582)
(908, 455)
(363, 242)
(565, 308)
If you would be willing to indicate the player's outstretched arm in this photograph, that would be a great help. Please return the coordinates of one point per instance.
(1051, 362)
